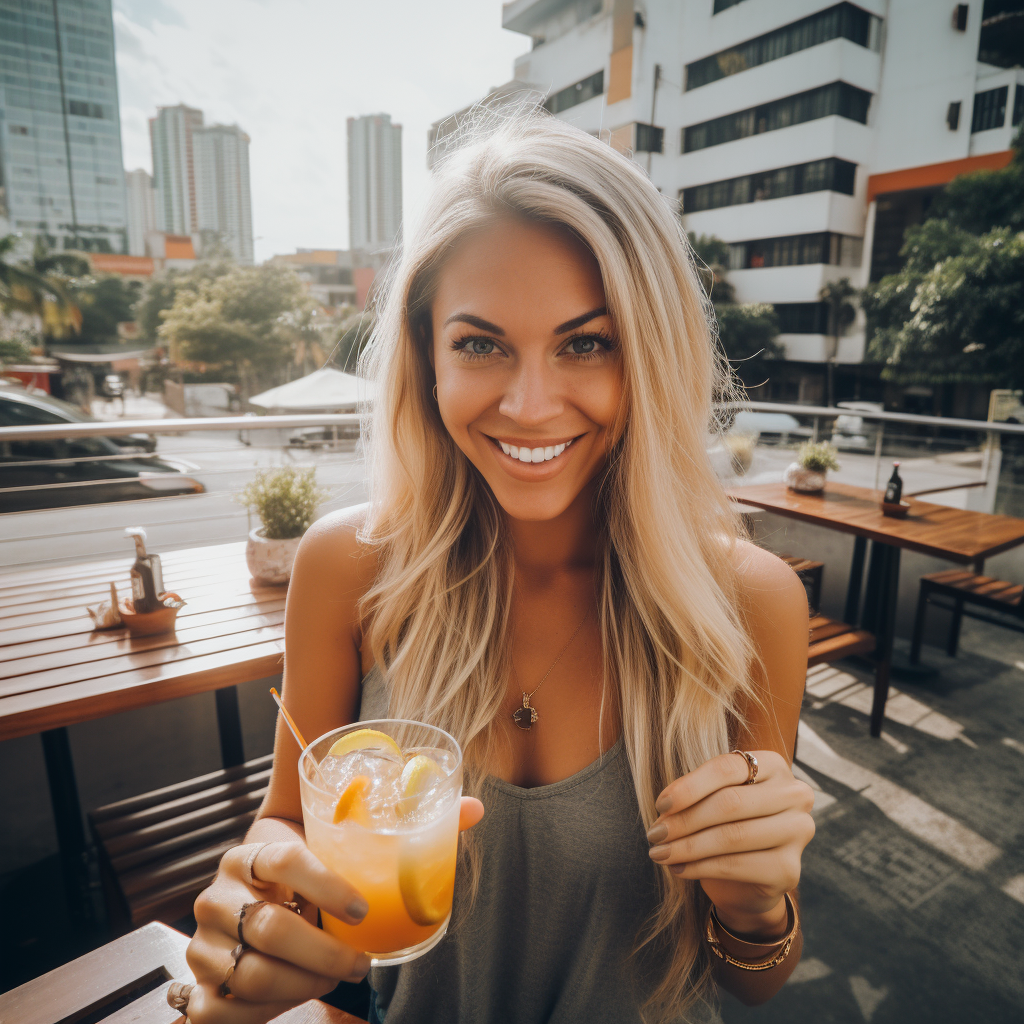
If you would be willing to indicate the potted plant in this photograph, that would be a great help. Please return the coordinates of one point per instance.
(285, 501)
(813, 461)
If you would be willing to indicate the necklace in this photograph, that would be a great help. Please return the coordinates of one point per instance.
(525, 716)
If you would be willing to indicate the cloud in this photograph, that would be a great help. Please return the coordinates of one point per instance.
(290, 72)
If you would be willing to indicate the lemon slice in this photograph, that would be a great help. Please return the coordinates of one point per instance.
(419, 775)
(350, 803)
(365, 739)
(426, 883)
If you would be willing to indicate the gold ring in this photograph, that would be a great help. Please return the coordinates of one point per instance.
(247, 875)
(177, 996)
(236, 955)
(751, 764)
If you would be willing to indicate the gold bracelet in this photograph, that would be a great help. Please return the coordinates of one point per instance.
(786, 942)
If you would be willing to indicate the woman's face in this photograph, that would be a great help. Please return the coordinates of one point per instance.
(528, 371)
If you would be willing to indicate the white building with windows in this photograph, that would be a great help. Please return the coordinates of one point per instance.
(374, 183)
(805, 133)
(223, 196)
(141, 210)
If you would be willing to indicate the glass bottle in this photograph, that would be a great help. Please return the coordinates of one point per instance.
(146, 574)
(894, 488)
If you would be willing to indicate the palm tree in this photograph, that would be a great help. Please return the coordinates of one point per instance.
(837, 296)
(38, 287)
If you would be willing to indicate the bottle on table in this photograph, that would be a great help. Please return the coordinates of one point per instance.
(146, 574)
(894, 488)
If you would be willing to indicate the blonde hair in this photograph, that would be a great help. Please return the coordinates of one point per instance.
(673, 639)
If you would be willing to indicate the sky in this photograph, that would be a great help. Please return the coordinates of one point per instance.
(289, 73)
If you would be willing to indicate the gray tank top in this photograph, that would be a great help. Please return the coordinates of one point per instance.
(566, 886)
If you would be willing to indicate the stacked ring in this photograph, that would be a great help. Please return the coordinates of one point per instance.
(751, 765)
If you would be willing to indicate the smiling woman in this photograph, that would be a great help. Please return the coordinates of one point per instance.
(549, 570)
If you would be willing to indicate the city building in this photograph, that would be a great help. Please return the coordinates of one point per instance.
(223, 199)
(374, 182)
(807, 134)
(141, 209)
(174, 177)
(328, 275)
(61, 170)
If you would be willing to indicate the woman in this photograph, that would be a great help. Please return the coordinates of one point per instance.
(549, 570)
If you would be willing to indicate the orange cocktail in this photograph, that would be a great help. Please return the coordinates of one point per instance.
(383, 813)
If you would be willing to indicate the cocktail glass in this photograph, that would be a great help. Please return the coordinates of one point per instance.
(399, 851)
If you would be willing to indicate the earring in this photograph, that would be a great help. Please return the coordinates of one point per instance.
(435, 393)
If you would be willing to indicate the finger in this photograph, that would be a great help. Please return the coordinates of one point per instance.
(768, 833)
(294, 866)
(725, 770)
(276, 931)
(207, 1006)
(257, 978)
(734, 803)
(775, 870)
(470, 812)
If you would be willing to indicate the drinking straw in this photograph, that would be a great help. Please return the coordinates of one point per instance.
(290, 722)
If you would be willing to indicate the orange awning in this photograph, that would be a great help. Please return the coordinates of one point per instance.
(935, 174)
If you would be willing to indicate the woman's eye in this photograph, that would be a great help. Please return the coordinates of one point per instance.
(480, 346)
(582, 346)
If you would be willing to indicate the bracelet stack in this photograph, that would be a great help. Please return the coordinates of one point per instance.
(773, 960)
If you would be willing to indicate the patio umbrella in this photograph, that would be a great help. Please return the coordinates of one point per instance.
(325, 390)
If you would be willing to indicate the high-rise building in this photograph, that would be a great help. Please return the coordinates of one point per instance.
(805, 133)
(174, 178)
(61, 171)
(374, 182)
(223, 201)
(141, 210)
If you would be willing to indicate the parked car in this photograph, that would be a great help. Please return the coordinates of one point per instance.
(853, 432)
(322, 437)
(112, 386)
(55, 473)
(774, 423)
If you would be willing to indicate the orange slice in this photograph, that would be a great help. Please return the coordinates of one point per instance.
(365, 739)
(350, 803)
(419, 774)
(427, 882)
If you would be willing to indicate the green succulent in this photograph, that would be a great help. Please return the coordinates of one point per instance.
(818, 456)
(285, 500)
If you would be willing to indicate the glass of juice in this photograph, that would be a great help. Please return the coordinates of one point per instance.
(383, 813)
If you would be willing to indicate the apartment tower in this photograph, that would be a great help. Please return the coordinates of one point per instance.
(61, 171)
(174, 178)
(141, 210)
(223, 199)
(374, 182)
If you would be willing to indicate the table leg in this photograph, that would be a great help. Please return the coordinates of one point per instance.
(856, 577)
(874, 588)
(889, 579)
(67, 816)
(229, 724)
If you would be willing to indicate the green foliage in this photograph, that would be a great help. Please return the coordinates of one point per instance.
(959, 319)
(353, 337)
(818, 456)
(241, 319)
(839, 295)
(13, 350)
(709, 249)
(285, 500)
(160, 292)
(104, 302)
(747, 332)
(38, 286)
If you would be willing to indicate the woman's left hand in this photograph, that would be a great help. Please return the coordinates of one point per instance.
(743, 843)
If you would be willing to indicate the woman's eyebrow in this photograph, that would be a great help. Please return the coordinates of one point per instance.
(474, 321)
(579, 321)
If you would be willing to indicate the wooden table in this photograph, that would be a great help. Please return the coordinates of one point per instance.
(954, 534)
(56, 670)
(127, 981)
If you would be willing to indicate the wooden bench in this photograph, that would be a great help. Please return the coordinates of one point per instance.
(964, 587)
(159, 850)
(810, 574)
(831, 640)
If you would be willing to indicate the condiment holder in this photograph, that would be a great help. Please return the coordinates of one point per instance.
(895, 509)
(161, 620)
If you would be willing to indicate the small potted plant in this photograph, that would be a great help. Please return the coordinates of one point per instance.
(285, 501)
(813, 461)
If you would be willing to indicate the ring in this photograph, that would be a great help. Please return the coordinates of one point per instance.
(751, 764)
(249, 861)
(236, 955)
(177, 996)
(246, 907)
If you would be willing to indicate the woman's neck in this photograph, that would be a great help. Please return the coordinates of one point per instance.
(566, 543)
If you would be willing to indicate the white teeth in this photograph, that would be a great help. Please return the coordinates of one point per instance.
(538, 454)
(549, 453)
(525, 455)
(507, 449)
(559, 448)
(533, 455)
(513, 451)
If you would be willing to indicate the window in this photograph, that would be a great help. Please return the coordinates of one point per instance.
(802, 317)
(724, 5)
(836, 98)
(831, 175)
(796, 250)
(582, 91)
(649, 139)
(1018, 105)
(989, 109)
(844, 21)
(79, 108)
(19, 129)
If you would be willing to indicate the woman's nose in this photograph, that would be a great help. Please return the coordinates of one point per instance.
(533, 395)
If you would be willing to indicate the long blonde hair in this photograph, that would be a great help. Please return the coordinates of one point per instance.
(674, 644)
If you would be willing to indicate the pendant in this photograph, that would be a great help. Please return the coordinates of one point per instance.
(525, 716)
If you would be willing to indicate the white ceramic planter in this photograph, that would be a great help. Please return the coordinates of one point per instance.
(270, 561)
(797, 478)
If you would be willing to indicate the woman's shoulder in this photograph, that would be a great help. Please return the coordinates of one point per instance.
(771, 593)
(333, 552)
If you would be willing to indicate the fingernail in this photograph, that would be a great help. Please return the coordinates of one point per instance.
(359, 968)
(677, 869)
(663, 804)
(660, 853)
(357, 909)
(657, 834)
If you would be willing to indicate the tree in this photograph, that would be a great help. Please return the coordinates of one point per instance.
(13, 350)
(38, 287)
(104, 302)
(837, 296)
(353, 337)
(160, 291)
(958, 318)
(747, 331)
(239, 320)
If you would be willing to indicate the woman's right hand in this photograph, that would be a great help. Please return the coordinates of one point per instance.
(289, 959)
